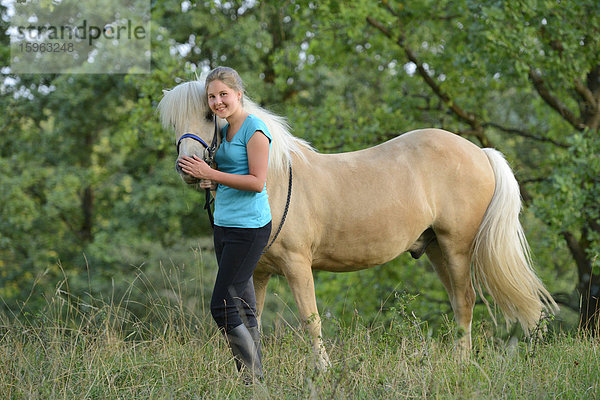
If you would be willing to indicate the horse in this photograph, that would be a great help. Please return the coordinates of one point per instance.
(427, 191)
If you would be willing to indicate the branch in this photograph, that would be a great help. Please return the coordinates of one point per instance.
(594, 225)
(544, 92)
(389, 8)
(590, 94)
(585, 93)
(525, 134)
(534, 180)
(471, 119)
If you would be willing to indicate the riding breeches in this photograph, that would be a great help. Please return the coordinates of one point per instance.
(237, 250)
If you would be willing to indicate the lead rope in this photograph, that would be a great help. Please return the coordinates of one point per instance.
(208, 200)
(285, 211)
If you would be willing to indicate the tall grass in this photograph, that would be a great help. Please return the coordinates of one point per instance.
(100, 349)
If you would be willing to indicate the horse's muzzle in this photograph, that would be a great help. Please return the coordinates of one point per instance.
(190, 180)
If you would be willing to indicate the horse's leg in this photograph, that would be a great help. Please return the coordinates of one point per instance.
(261, 280)
(454, 269)
(434, 253)
(300, 278)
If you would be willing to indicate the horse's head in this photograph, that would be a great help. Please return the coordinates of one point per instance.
(185, 110)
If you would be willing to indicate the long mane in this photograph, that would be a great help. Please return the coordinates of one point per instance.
(182, 106)
(284, 144)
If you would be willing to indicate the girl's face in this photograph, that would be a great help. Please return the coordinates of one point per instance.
(223, 100)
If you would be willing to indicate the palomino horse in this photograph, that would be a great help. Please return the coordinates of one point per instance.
(426, 191)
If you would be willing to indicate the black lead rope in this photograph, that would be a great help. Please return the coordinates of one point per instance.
(285, 211)
(210, 160)
(208, 200)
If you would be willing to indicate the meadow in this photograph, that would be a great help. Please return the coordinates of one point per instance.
(77, 350)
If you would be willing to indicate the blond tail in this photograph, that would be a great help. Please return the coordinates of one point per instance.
(501, 256)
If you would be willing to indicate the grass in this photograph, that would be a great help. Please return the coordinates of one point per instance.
(157, 341)
(106, 353)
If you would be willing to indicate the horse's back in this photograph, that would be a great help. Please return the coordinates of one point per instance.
(409, 160)
(420, 147)
(429, 142)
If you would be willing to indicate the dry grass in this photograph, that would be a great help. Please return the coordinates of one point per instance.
(102, 350)
(106, 354)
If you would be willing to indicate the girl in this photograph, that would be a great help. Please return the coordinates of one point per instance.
(242, 214)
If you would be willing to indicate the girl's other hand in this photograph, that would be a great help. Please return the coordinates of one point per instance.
(208, 184)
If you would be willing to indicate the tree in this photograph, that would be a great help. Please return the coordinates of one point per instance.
(520, 76)
(546, 52)
(87, 182)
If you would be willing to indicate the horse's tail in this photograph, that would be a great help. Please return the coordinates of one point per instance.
(501, 256)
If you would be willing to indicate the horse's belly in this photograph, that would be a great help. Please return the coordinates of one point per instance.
(370, 228)
(352, 262)
(360, 251)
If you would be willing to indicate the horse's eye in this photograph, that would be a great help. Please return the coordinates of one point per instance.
(209, 116)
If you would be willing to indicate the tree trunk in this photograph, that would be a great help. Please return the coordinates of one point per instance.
(589, 313)
(87, 208)
(588, 285)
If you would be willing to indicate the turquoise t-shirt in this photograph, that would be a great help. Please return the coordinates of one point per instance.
(238, 208)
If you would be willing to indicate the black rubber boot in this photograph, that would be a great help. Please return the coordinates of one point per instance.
(255, 333)
(245, 352)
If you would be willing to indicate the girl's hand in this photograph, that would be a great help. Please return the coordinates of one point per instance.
(196, 167)
(208, 184)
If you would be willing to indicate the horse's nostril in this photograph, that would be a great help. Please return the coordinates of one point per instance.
(177, 166)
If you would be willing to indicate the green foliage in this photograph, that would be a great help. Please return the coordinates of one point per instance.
(88, 187)
(570, 197)
(343, 296)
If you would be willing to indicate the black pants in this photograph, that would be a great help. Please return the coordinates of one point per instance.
(238, 250)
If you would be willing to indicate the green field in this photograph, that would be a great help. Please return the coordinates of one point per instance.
(106, 353)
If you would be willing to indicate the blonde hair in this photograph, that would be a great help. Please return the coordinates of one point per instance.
(229, 77)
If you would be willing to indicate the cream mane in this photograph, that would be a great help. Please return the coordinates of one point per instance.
(182, 107)
(284, 144)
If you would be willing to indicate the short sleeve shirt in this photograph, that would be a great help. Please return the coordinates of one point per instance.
(239, 208)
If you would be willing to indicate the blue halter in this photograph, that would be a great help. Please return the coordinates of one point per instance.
(210, 149)
(191, 136)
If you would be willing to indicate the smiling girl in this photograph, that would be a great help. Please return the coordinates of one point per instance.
(242, 214)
